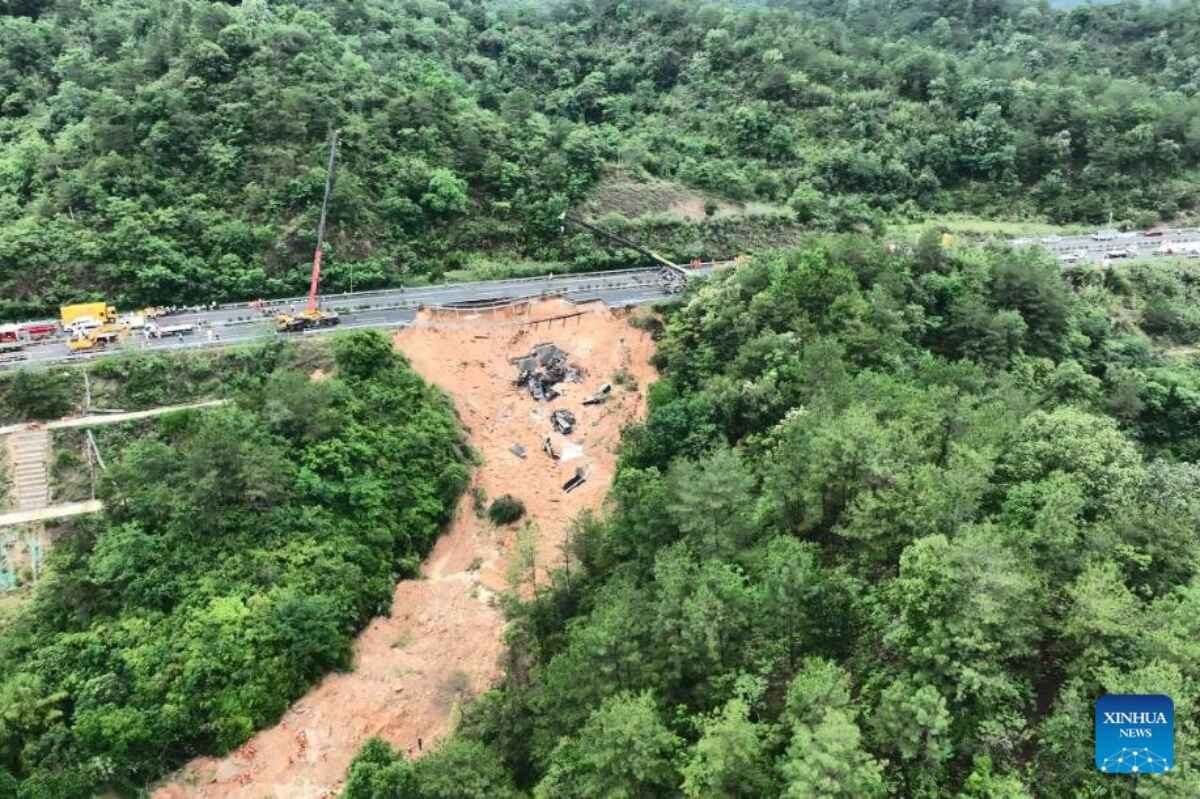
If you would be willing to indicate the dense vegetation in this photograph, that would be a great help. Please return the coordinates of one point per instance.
(892, 525)
(240, 550)
(137, 381)
(174, 152)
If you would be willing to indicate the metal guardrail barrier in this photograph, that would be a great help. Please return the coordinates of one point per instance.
(419, 290)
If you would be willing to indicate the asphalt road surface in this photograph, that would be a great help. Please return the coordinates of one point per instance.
(241, 322)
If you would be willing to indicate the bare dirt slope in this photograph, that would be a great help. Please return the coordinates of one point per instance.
(442, 640)
(633, 198)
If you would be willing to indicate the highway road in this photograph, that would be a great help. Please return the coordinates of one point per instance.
(241, 322)
(1096, 247)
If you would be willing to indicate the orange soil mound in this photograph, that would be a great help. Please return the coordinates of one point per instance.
(441, 642)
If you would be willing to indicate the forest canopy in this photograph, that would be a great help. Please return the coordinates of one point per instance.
(240, 550)
(157, 152)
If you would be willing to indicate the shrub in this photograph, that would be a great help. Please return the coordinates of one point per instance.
(479, 500)
(506, 509)
(39, 394)
(623, 378)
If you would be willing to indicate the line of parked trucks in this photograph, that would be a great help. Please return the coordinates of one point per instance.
(90, 326)
(95, 325)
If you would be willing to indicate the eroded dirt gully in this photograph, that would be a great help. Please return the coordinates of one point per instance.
(441, 642)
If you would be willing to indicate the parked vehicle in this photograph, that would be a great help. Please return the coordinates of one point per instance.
(11, 338)
(98, 338)
(166, 331)
(99, 312)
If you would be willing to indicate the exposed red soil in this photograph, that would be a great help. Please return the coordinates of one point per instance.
(442, 641)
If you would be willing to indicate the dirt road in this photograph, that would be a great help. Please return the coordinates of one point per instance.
(441, 643)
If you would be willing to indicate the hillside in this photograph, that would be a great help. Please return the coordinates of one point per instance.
(160, 152)
(881, 535)
(872, 513)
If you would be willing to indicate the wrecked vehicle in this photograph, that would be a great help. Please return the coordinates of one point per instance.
(563, 421)
(544, 368)
(575, 482)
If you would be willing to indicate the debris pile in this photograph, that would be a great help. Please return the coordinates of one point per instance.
(543, 369)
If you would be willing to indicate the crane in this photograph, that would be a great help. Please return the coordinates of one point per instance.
(313, 315)
(673, 273)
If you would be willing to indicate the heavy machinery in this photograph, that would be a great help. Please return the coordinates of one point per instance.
(674, 275)
(98, 338)
(85, 313)
(313, 315)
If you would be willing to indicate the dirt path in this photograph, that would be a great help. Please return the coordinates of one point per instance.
(96, 420)
(441, 643)
(51, 512)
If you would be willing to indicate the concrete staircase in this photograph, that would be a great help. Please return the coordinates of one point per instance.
(29, 464)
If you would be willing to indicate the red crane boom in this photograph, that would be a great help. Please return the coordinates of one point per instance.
(316, 270)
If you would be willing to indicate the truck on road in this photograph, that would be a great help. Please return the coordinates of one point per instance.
(97, 338)
(166, 331)
(84, 313)
(15, 337)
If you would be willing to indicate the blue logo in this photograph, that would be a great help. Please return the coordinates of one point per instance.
(1135, 733)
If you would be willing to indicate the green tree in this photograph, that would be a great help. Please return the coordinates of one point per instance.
(827, 759)
(730, 759)
(447, 193)
(710, 501)
(624, 750)
(915, 722)
(1088, 448)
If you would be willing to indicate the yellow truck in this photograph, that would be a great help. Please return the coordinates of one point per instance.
(98, 338)
(100, 312)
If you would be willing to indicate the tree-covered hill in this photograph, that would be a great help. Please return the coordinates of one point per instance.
(892, 526)
(173, 152)
(240, 550)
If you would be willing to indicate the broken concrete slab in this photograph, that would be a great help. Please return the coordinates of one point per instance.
(517, 450)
